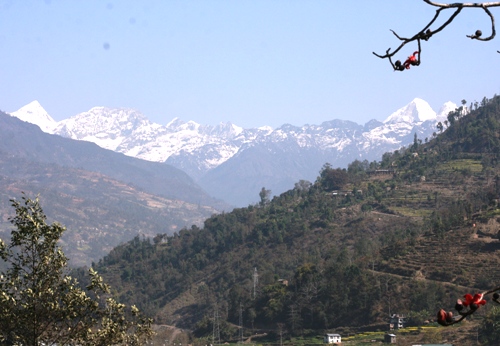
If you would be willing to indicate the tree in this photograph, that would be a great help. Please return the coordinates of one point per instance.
(303, 185)
(427, 32)
(356, 167)
(264, 196)
(490, 327)
(41, 304)
(451, 118)
(332, 179)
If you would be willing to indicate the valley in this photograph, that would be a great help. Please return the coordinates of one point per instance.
(408, 234)
(104, 198)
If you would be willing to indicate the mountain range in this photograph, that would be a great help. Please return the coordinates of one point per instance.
(103, 197)
(407, 241)
(232, 163)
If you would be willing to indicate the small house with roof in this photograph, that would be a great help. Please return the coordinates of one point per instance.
(390, 338)
(332, 339)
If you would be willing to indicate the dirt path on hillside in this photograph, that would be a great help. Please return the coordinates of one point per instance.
(255, 336)
(466, 288)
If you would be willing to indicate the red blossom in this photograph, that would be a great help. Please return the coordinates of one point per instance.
(477, 299)
(444, 318)
(472, 302)
(441, 317)
(412, 60)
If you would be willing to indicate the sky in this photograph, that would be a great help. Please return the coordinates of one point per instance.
(249, 62)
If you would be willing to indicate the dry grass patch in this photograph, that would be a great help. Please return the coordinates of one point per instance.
(474, 166)
(411, 212)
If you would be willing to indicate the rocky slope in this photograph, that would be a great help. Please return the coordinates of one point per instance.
(103, 197)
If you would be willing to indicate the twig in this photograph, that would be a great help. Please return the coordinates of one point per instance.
(426, 33)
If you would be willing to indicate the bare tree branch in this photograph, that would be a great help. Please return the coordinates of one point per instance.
(426, 33)
(478, 33)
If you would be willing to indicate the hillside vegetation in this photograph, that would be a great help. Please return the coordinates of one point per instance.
(408, 234)
(104, 198)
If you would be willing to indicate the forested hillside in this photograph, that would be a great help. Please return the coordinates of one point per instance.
(408, 234)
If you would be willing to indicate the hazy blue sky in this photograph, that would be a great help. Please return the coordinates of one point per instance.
(250, 62)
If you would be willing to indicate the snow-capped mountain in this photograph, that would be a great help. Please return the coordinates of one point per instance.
(109, 127)
(416, 117)
(233, 163)
(416, 111)
(445, 109)
(34, 113)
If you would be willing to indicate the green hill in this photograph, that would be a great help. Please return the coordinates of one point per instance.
(408, 234)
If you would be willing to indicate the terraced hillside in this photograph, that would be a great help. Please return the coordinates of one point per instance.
(466, 252)
(410, 234)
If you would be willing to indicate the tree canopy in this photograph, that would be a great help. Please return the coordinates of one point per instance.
(41, 304)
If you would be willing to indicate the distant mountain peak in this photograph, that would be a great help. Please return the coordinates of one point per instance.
(445, 110)
(416, 111)
(107, 127)
(34, 113)
(265, 128)
(174, 123)
(232, 162)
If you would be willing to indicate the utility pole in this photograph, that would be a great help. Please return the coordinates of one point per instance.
(216, 328)
(241, 324)
(255, 281)
(280, 325)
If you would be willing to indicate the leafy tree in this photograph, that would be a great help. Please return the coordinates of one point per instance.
(40, 304)
(264, 196)
(332, 179)
(303, 185)
(451, 118)
(490, 327)
(415, 142)
(357, 169)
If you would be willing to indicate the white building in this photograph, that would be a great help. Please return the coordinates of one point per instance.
(397, 321)
(332, 339)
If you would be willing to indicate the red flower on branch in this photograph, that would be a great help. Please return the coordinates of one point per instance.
(444, 318)
(412, 60)
(466, 307)
(474, 302)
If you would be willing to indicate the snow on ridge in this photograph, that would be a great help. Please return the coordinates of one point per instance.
(445, 109)
(265, 128)
(130, 132)
(34, 113)
(416, 111)
(174, 123)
